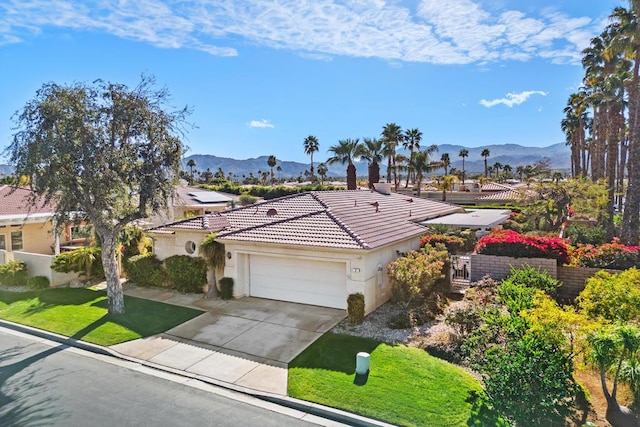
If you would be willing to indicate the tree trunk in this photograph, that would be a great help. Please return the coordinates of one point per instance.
(115, 294)
(631, 217)
(212, 292)
(352, 182)
(374, 174)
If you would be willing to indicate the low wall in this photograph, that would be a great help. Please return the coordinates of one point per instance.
(499, 267)
(40, 265)
(573, 280)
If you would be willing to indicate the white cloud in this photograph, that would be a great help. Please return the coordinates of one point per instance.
(512, 99)
(451, 32)
(264, 123)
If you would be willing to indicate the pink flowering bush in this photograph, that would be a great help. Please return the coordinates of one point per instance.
(614, 255)
(513, 244)
(454, 244)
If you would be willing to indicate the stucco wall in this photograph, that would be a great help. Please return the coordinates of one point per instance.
(499, 267)
(36, 238)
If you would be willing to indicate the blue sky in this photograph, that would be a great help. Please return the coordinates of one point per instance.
(262, 75)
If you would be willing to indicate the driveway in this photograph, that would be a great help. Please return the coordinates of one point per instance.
(266, 331)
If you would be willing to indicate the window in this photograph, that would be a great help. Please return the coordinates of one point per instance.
(190, 247)
(16, 240)
(3, 243)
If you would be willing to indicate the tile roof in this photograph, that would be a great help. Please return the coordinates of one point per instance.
(502, 195)
(494, 186)
(15, 201)
(339, 219)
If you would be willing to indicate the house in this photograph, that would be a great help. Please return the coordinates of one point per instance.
(312, 248)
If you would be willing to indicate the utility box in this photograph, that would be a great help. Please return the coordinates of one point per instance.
(362, 363)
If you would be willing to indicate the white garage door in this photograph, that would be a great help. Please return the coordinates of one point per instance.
(299, 280)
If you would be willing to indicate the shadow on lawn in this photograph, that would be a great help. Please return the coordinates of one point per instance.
(51, 297)
(482, 413)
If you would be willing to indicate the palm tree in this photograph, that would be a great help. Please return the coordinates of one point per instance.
(344, 153)
(214, 254)
(520, 171)
(446, 162)
(496, 167)
(463, 153)
(422, 163)
(507, 169)
(447, 185)
(412, 139)
(191, 164)
(485, 153)
(371, 150)
(392, 135)
(311, 145)
(322, 171)
(272, 162)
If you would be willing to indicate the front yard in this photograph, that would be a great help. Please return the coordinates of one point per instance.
(405, 386)
(82, 314)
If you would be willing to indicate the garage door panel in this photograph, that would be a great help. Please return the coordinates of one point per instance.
(304, 281)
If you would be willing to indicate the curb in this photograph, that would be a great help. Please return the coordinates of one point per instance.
(288, 402)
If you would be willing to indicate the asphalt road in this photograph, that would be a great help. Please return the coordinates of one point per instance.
(47, 384)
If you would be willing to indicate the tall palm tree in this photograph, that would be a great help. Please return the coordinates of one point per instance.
(446, 162)
(411, 142)
(322, 171)
(213, 253)
(520, 171)
(507, 169)
(272, 162)
(463, 153)
(422, 163)
(392, 135)
(496, 167)
(485, 153)
(191, 164)
(311, 145)
(344, 153)
(371, 150)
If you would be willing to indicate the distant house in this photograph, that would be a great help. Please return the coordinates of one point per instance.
(312, 248)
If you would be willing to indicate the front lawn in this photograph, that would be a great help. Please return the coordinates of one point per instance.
(82, 314)
(405, 386)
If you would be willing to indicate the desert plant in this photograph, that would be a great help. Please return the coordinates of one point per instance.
(144, 270)
(226, 288)
(185, 273)
(37, 283)
(14, 273)
(355, 308)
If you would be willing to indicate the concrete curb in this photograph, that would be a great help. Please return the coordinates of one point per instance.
(289, 402)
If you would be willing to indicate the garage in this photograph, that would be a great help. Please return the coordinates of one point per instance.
(304, 281)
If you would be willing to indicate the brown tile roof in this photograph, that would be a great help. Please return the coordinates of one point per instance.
(339, 219)
(502, 195)
(15, 201)
(494, 186)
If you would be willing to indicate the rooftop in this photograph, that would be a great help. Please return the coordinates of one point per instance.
(473, 218)
(18, 202)
(357, 219)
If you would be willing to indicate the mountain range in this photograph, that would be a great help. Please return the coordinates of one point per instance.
(511, 154)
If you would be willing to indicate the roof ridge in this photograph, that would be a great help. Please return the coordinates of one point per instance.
(264, 202)
(193, 218)
(347, 230)
(318, 199)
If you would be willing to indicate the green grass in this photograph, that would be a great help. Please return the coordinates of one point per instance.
(405, 386)
(82, 314)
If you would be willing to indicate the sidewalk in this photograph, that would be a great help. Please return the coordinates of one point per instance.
(202, 362)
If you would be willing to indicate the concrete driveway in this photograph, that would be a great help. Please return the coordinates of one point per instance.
(262, 330)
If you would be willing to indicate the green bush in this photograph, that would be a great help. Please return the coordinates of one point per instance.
(37, 283)
(355, 308)
(14, 273)
(86, 261)
(226, 288)
(586, 234)
(185, 273)
(144, 270)
(247, 199)
(533, 278)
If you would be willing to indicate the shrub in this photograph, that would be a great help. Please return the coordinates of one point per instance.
(247, 199)
(14, 273)
(614, 255)
(533, 278)
(510, 243)
(454, 244)
(38, 283)
(516, 297)
(185, 273)
(418, 273)
(86, 261)
(463, 319)
(144, 270)
(355, 308)
(612, 297)
(226, 288)
(583, 234)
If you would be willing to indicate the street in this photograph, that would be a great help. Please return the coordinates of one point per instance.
(43, 383)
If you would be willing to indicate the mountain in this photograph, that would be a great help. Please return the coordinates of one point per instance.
(511, 154)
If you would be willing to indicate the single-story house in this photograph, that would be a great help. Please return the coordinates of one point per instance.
(312, 248)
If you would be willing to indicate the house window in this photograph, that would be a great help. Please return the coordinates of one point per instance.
(16, 240)
(3, 243)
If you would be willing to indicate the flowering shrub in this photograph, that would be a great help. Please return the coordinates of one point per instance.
(454, 244)
(510, 243)
(614, 255)
(415, 275)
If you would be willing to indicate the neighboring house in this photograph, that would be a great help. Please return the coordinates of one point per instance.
(312, 248)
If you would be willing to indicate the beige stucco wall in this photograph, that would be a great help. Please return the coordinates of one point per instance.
(36, 238)
(166, 245)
